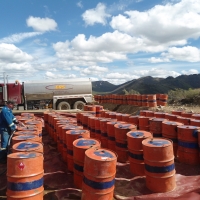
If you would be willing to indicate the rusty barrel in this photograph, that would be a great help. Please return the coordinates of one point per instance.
(125, 117)
(195, 122)
(159, 114)
(134, 120)
(79, 148)
(97, 127)
(63, 138)
(104, 135)
(111, 134)
(21, 138)
(25, 173)
(27, 146)
(145, 102)
(163, 99)
(144, 123)
(196, 116)
(170, 131)
(91, 126)
(112, 115)
(152, 100)
(139, 100)
(156, 126)
(187, 115)
(159, 166)
(143, 112)
(170, 117)
(71, 136)
(78, 118)
(121, 140)
(184, 120)
(135, 149)
(188, 149)
(99, 174)
(119, 116)
(177, 112)
(85, 120)
(149, 113)
(98, 110)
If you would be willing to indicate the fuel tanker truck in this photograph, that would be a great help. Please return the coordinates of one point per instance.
(43, 94)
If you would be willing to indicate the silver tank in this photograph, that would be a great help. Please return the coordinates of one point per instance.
(45, 89)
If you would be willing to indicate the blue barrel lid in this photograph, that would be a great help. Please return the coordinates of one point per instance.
(158, 142)
(27, 132)
(27, 145)
(27, 155)
(103, 153)
(25, 137)
(124, 126)
(74, 132)
(188, 127)
(136, 134)
(86, 142)
(171, 123)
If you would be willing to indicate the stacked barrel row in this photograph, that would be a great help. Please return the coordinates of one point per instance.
(147, 100)
(83, 154)
(25, 169)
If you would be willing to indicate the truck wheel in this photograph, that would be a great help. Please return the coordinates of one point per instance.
(63, 106)
(79, 105)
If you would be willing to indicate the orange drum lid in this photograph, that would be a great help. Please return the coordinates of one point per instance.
(27, 146)
(173, 123)
(108, 120)
(189, 127)
(34, 122)
(125, 126)
(25, 137)
(25, 155)
(139, 134)
(101, 154)
(156, 142)
(116, 122)
(85, 143)
(76, 132)
(71, 127)
(196, 115)
(158, 119)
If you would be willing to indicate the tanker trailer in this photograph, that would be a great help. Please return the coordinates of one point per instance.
(57, 94)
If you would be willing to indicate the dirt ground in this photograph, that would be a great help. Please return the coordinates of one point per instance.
(134, 110)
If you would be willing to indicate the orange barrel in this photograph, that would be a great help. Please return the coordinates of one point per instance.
(156, 126)
(99, 174)
(91, 124)
(36, 123)
(21, 138)
(112, 115)
(145, 100)
(135, 149)
(28, 128)
(125, 117)
(196, 116)
(92, 108)
(134, 120)
(71, 136)
(85, 107)
(46, 118)
(78, 117)
(28, 146)
(158, 99)
(144, 123)
(119, 116)
(152, 100)
(107, 114)
(135, 99)
(97, 127)
(187, 115)
(177, 112)
(159, 166)
(188, 150)
(24, 119)
(104, 135)
(195, 122)
(170, 117)
(121, 140)
(98, 110)
(26, 132)
(63, 138)
(85, 120)
(139, 100)
(103, 113)
(29, 115)
(163, 99)
(170, 131)
(111, 134)
(184, 120)
(25, 173)
(143, 112)
(159, 114)
(79, 148)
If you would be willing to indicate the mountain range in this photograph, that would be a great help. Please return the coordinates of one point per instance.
(148, 85)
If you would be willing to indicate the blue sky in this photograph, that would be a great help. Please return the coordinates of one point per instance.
(116, 41)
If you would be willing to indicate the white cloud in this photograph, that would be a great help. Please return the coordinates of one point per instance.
(16, 38)
(158, 60)
(158, 26)
(39, 42)
(75, 68)
(9, 53)
(190, 71)
(50, 75)
(187, 53)
(93, 70)
(96, 15)
(79, 4)
(41, 24)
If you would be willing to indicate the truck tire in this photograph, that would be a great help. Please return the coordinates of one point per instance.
(79, 105)
(63, 105)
